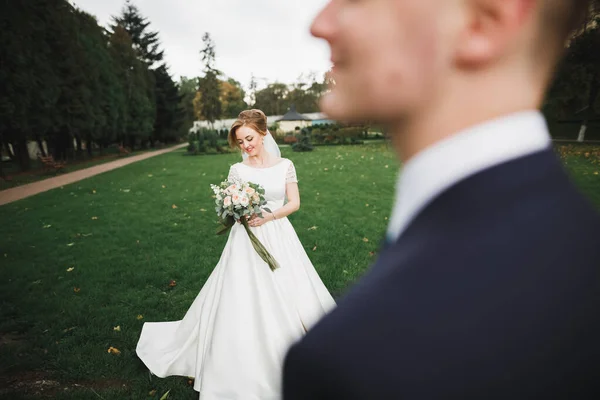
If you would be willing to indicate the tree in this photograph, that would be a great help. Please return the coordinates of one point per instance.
(144, 42)
(272, 99)
(575, 92)
(162, 89)
(252, 90)
(169, 113)
(232, 98)
(209, 85)
(187, 89)
(138, 113)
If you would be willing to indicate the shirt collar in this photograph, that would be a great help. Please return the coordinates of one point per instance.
(466, 153)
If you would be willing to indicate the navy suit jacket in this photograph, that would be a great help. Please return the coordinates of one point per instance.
(493, 291)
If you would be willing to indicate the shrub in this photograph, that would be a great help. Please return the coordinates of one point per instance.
(303, 143)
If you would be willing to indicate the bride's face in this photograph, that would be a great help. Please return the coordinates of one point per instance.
(250, 141)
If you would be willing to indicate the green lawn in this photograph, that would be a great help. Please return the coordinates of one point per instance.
(129, 232)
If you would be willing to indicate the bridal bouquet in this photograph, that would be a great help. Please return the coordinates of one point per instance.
(237, 201)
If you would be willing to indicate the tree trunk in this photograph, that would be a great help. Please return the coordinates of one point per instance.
(23, 154)
(594, 90)
(582, 130)
(40, 144)
(88, 145)
(10, 153)
(79, 150)
(131, 142)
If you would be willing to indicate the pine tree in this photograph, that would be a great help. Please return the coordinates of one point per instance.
(146, 43)
(209, 85)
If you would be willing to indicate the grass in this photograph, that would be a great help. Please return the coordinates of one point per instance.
(129, 232)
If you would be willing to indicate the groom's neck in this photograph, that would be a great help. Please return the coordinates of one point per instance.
(461, 106)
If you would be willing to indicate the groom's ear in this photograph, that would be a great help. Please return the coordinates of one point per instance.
(493, 30)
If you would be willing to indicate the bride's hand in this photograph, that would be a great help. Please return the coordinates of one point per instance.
(256, 221)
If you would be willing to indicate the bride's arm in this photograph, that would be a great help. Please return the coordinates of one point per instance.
(293, 204)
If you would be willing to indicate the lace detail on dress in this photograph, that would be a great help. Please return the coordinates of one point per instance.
(291, 177)
(233, 174)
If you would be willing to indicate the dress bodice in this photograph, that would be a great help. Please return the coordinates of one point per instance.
(273, 179)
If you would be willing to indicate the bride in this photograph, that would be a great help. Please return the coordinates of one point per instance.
(235, 335)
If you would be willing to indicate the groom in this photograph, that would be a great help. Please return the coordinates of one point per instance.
(490, 284)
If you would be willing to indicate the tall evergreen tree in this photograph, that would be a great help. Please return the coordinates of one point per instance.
(145, 42)
(209, 85)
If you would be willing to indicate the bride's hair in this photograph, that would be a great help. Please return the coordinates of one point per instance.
(254, 119)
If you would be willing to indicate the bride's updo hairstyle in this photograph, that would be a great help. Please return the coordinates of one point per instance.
(254, 119)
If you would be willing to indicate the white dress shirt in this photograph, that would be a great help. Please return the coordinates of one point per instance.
(437, 168)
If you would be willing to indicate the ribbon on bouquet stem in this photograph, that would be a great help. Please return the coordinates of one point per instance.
(260, 249)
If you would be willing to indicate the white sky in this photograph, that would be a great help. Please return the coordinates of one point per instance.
(267, 38)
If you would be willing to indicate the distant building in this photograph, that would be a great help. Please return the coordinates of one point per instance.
(293, 119)
(286, 123)
(319, 119)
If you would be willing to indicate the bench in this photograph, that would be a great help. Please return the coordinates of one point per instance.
(123, 151)
(50, 164)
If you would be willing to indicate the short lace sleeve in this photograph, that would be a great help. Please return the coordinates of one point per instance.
(233, 174)
(291, 176)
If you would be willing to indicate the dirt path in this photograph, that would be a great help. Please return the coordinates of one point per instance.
(21, 192)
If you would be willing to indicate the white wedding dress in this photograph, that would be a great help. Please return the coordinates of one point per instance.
(234, 337)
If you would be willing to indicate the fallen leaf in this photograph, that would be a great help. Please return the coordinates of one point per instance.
(94, 191)
(371, 254)
(37, 282)
(69, 329)
(140, 317)
(595, 173)
(312, 228)
(152, 393)
(172, 283)
(70, 269)
(326, 169)
(202, 210)
(47, 226)
(367, 205)
(164, 187)
(71, 244)
(365, 240)
(173, 206)
(387, 166)
(114, 350)
(149, 175)
(345, 271)
(166, 395)
(117, 328)
(315, 248)
(126, 190)
(76, 289)
(94, 218)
